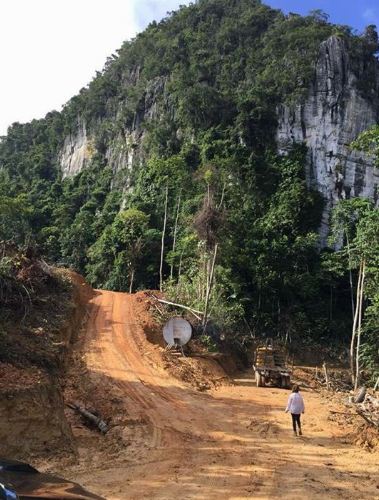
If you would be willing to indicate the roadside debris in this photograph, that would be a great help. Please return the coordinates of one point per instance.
(90, 417)
(369, 410)
(195, 312)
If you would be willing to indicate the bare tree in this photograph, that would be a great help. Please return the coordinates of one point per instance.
(163, 238)
(175, 234)
(210, 280)
(359, 327)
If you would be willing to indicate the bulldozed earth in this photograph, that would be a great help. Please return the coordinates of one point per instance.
(179, 427)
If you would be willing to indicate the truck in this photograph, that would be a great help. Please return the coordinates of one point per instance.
(270, 366)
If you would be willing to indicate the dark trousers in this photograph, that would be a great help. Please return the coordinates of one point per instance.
(295, 420)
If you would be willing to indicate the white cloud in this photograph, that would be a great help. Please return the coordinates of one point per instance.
(149, 10)
(49, 49)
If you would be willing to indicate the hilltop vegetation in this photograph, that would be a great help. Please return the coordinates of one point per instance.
(209, 162)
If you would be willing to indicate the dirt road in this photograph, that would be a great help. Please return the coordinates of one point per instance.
(171, 442)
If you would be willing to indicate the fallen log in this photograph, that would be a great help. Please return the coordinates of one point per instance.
(208, 355)
(334, 412)
(359, 398)
(190, 309)
(368, 418)
(102, 426)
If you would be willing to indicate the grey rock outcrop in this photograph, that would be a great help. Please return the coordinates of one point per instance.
(124, 150)
(335, 111)
(76, 151)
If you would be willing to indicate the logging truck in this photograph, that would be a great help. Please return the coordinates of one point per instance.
(270, 367)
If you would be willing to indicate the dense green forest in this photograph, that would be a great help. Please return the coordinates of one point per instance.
(238, 223)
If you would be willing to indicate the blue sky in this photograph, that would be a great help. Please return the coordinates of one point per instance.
(355, 13)
(50, 49)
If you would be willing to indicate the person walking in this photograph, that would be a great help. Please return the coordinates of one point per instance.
(296, 407)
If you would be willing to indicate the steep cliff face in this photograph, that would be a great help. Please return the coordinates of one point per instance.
(76, 151)
(335, 111)
(124, 150)
(343, 100)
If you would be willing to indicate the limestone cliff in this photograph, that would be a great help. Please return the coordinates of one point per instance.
(75, 152)
(124, 149)
(335, 111)
(342, 101)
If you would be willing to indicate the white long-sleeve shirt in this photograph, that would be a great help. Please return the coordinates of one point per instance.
(295, 403)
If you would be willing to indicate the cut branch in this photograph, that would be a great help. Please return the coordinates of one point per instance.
(367, 418)
(195, 312)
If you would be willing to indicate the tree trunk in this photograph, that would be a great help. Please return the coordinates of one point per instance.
(326, 376)
(175, 233)
(222, 196)
(101, 424)
(180, 265)
(204, 283)
(360, 307)
(350, 276)
(195, 312)
(163, 238)
(354, 331)
(132, 272)
(178, 286)
(209, 288)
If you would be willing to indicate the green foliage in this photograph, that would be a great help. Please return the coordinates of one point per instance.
(199, 93)
(368, 142)
(15, 215)
(355, 229)
(114, 257)
(356, 226)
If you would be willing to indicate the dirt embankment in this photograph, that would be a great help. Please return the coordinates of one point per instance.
(199, 368)
(32, 419)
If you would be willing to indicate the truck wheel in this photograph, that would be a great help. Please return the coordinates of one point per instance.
(259, 379)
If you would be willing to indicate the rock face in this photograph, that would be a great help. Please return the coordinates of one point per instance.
(124, 150)
(335, 111)
(76, 151)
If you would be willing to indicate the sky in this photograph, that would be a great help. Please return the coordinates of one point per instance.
(50, 49)
(355, 13)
